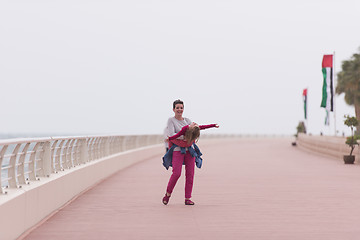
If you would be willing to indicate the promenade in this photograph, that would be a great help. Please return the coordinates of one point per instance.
(246, 189)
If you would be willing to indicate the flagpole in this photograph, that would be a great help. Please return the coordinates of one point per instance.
(334, 75)
(305, 102)
(307, 108)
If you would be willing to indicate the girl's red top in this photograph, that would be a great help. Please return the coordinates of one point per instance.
(183, 143)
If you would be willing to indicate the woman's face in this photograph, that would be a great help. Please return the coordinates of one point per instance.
(178, 110)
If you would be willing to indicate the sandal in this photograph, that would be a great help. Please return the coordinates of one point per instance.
(189, 202)
(165, 199)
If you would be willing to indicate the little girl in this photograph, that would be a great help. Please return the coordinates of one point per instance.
(190, 132)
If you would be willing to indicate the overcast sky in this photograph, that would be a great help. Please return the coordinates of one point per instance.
(115, 67)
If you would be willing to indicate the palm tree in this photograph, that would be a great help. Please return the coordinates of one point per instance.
(349, 83)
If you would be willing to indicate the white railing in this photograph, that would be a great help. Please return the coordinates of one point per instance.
(26, 160)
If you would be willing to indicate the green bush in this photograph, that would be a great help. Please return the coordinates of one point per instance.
(300, 128)
(352, 140)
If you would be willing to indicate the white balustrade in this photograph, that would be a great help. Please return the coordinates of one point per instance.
(26, 160)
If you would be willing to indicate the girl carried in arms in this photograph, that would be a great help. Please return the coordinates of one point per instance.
(190, 132)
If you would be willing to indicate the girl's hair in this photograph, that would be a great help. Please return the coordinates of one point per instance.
(192, 134)
(177, 102)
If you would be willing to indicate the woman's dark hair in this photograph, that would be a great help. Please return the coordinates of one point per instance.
(177, 102)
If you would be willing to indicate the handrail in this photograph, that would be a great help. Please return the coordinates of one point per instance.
(27, 159)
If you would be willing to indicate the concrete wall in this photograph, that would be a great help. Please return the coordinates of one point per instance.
(331, 146)
(21, 209)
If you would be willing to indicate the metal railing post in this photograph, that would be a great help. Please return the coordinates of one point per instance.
(12, 171)
(47, 159)
(84, 153)
(2, 153)
(107, 146)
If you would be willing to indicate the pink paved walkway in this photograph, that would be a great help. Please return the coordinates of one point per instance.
(247, 189)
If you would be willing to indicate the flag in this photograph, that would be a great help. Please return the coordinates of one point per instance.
(305, 102)
(328, 86)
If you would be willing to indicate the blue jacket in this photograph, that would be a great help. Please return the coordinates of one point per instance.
(193, 150)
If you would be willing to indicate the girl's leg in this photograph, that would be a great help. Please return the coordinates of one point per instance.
(177, 162)
(190, 169)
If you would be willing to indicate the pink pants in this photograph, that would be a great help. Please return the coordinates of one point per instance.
(177, 162)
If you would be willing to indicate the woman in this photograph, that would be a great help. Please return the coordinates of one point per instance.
(175, 125)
